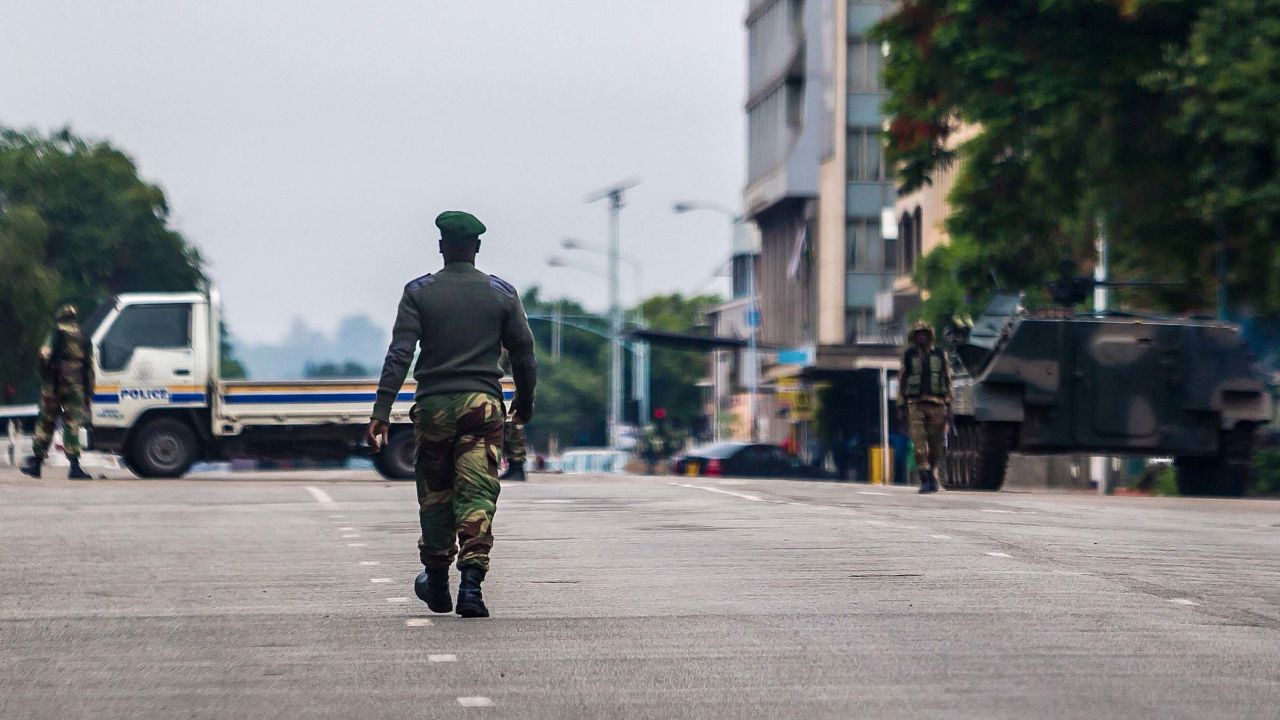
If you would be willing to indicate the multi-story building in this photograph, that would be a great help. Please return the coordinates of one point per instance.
(820, 194)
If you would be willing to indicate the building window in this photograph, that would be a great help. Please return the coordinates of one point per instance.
(865, 155)
(907, 234)
(919, 233)
(864, 65)
(863, 245)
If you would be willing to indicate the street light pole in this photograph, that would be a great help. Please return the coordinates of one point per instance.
(614, 194)
(639, 348)
(753, 309)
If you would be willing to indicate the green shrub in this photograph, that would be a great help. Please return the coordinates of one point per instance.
(1266, 473)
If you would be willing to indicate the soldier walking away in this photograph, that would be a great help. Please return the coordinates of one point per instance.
(66, 384)
(515, 449)
(462, 319)
(924, 401)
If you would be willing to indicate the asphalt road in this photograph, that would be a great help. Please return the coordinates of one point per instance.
(289, 595)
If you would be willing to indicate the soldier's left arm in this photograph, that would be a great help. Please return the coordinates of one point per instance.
(517, 338)
(946, 379)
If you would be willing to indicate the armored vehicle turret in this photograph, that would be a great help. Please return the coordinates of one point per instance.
(1055, 382)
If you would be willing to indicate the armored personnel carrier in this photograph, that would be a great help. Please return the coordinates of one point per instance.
(1117, 384)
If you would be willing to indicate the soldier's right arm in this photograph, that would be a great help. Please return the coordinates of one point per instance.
(404, 339)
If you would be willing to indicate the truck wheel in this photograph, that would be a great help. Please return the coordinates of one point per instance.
(977, 455)
(1227, 474)
(395, 462)
(162, 448)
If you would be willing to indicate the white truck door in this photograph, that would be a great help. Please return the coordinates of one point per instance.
(146, 357)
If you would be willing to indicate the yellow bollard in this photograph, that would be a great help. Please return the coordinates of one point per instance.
(876, 469)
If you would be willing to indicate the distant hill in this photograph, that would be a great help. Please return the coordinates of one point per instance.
(357, 340)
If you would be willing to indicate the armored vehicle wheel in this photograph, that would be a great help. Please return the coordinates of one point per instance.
(1227, 474)
(395, 462)
(162, 448)
(977, 455)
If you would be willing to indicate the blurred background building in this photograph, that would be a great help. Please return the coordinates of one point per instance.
(820, 194)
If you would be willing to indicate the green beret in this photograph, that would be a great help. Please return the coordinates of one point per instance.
(457, 225)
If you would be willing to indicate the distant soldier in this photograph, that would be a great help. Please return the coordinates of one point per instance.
(924, 401)
(66, 384)
(515, 449)
(463, 319)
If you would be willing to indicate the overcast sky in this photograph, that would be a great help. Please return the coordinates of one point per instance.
(306, 147)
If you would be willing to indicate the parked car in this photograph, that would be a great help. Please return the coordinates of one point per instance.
(740, 459)
(580, 461)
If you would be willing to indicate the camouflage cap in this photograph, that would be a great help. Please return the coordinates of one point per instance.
(66, 312)
(456, 225)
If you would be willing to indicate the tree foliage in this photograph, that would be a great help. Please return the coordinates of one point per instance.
(77, 224)
(1130, 116)
(573, 392)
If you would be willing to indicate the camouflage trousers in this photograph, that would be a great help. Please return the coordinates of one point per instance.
(64, 399)
(513, 443)
(459, 439)
(928, 427)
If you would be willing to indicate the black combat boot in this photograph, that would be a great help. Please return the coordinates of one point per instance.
(515, 471)
(31, 466)
(76, 472)
(432, 588)
(470, 601)
(926, 482)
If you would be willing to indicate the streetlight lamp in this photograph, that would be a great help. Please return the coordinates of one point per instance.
(753, 309)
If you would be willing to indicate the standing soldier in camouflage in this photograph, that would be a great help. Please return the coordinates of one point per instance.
(515, 448)
(462, 319)
(66, 384)
(924, 401)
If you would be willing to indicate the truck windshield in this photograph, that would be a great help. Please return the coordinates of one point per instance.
(91, 323)
(149, 326)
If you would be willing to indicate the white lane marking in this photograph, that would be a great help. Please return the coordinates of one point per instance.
(876, 522)
(337, 517)
(552, 502)
(1010, 512)
(940, 537)
(744, 496)
(997, 554)
(345, 529)
(475, 701)
(350, 536)
(357, 545)
(398, 600)
(379, 580)
(442, 658)
(370, 562)
(869, 492)
(417, 622)
(1184, 601)
(321, 496)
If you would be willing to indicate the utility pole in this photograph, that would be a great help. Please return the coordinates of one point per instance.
(614, 194)
(1101, 304)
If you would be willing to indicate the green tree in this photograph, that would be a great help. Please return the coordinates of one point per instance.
(28, 291)
(333, 370)
(1085, 111)
(78, 225)
(1225, 81)
(674, 374)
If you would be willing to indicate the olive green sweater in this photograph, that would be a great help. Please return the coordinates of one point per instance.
(462, 318)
